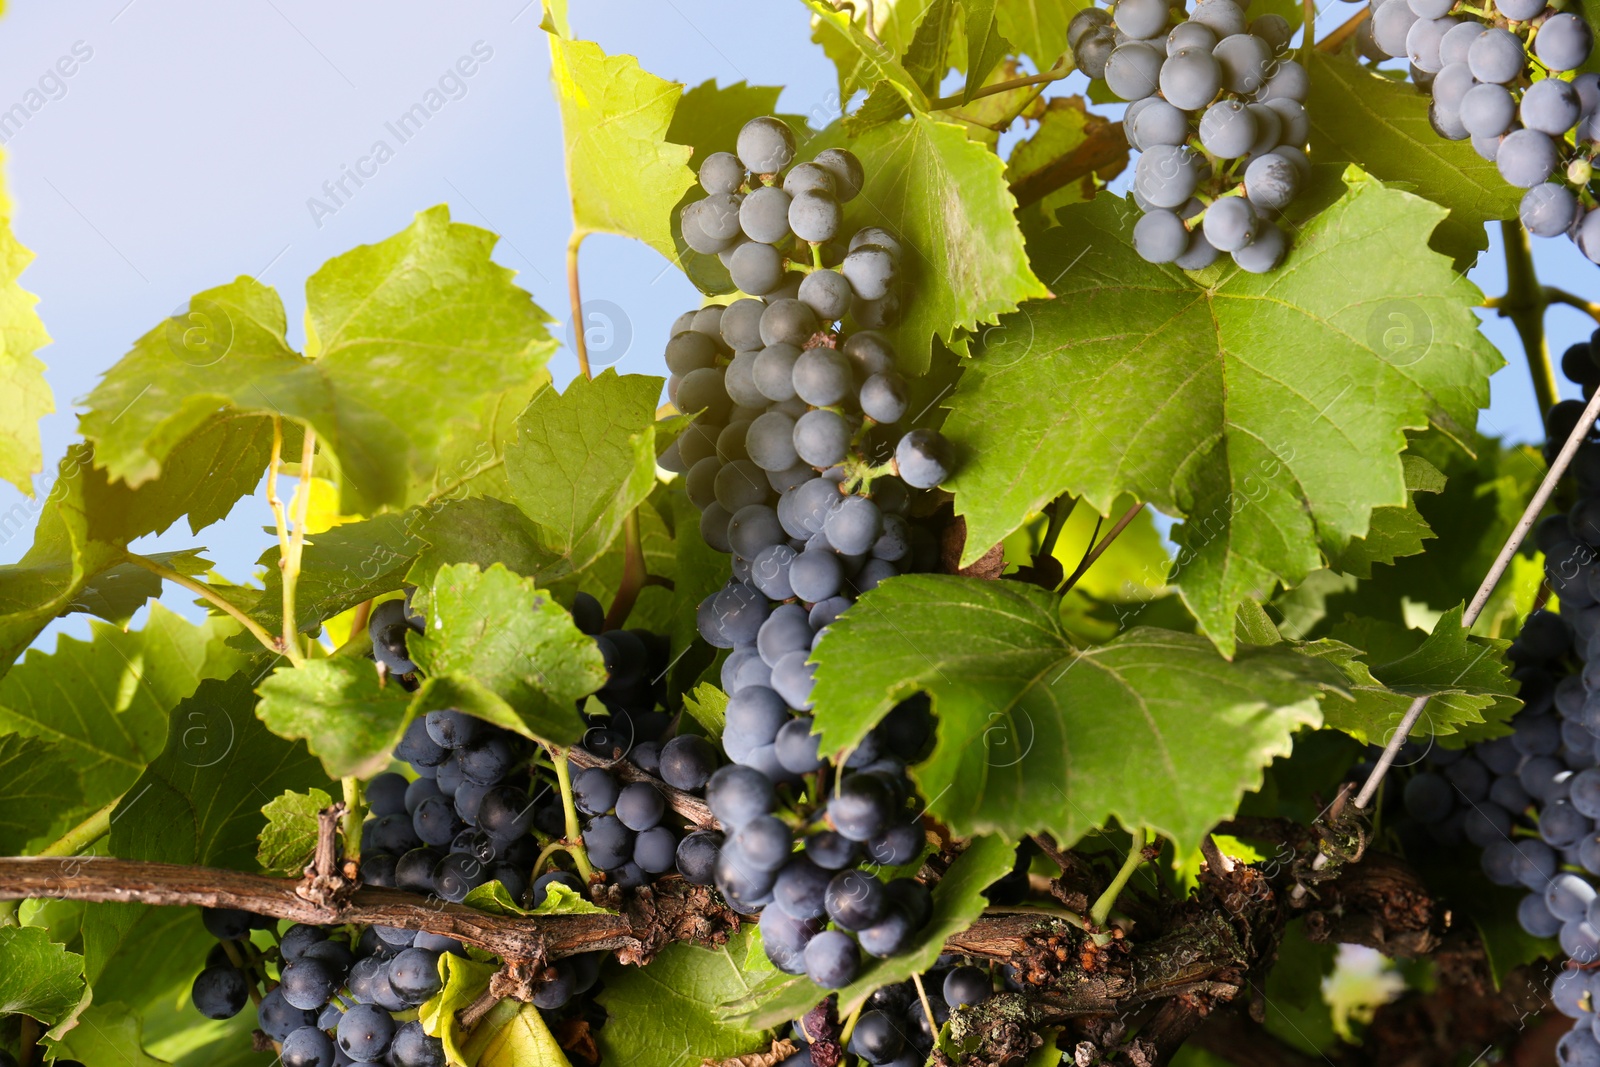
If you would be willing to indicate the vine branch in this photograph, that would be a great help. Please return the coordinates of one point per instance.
(580, 344)
(271, 643)
(1099, 549)
(1530, 515)
(1059, 70)
(1104, 146)
(1524, 304)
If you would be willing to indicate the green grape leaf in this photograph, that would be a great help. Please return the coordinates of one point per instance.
(107, 1035)
(1154, 729)
(290, 836)
(986, 45)
(427, 307)
(667, 1014)
(708, 706)
(945, 198)
(465, 980)
(1382, 126)
(524, 1040)
(958, 900)
(472, 459)
(491, 633)
(613, 109)
(584, 459)
(38, 977)
(863, 62)
(926, 60)
(1485, 492)
(1038, 28)
(1395, 531)
(347, 716)
(199, 802)
(559, 900)
(1467, 676)
(1276, 409)
(22, 381)
(39, 788)
(78, 559)
(1297, 1012)
(103, 704)
(226, 349)
(481, 531)
(340, 568)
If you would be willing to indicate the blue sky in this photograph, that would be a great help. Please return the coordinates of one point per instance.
(190, 144)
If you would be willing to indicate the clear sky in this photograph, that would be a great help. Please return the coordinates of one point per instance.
(188, 145)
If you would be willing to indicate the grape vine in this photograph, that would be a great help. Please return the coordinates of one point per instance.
(845, 697)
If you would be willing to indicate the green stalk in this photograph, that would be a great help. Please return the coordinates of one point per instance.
(1102, 907)
(574, 838)
(1524, 305)
(355, 811)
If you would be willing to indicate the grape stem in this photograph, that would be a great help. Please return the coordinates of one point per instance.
(212, 597)
(634, 573)
(241, 964)
(927, 1008)
(580, 344)
(280, 517)
(289, 559)
(816, 256)
(1099, 549)
(1061, 69)
(1530, 515)
(355, 810)
(1344, 32)
(1524, 304)
(573, 840)
(1554, 295)
(1102, 907)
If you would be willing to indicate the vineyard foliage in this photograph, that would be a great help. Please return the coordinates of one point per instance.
(1309, 433)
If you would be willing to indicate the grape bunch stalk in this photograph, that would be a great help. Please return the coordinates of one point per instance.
(1501, 76)
(1217, 111)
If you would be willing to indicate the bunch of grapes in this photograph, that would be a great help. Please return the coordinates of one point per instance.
(1214, 79)
(896, 1027)
(322, 999)
(802, 479)
(1497, 77)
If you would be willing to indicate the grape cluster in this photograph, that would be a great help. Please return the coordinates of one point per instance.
(323, 999)
(802, 477)
(1211, 78)
(895, 1028)
(1499, 80)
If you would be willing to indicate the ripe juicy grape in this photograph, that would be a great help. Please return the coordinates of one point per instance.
(1482, 78)
(1234, 88)
(326, 1000)
(1531, 801)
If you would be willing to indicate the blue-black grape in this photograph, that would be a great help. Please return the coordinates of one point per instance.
(278, 1018)
(414, 974)
(640, 806)
(306, 1047)
(923, 458)
(832, 959)
(609, 842)
(821, 437)
(412, 1046)
(687, 762)
(860, 808)
(308, 983)
(697, 856)
(738, 794)
(220, 992)
(765, 145)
